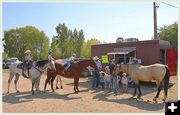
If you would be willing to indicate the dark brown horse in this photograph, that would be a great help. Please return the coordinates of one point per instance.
(74, 71)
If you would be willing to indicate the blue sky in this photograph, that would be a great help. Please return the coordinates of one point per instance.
(104, 21)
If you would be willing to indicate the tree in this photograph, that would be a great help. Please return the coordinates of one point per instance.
(170, 33)
(16, 41)
(86, 49)
(67, 41)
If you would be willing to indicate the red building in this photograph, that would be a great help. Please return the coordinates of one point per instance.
(149, 52)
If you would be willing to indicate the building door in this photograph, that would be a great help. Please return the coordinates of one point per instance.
(171, 61)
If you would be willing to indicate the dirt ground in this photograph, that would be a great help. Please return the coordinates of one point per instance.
(87, 100)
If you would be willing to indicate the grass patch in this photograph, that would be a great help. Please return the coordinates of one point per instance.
(5, 71)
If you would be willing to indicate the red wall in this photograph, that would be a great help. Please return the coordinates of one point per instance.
(148, 52)
(171, 61)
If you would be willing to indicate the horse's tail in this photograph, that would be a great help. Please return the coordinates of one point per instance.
(166, 81)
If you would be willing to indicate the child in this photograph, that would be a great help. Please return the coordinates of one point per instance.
(102, 74)
(124, 82)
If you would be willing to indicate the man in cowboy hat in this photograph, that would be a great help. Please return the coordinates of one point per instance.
(96, 74)
(26, 62)
(69, 62)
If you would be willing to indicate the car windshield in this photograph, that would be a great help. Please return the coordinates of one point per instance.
(12, 60)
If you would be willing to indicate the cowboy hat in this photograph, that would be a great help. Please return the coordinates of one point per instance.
(27, 52)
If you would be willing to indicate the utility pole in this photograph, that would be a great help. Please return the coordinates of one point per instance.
(155, 20)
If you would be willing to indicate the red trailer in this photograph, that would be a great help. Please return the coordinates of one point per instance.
(149, 52)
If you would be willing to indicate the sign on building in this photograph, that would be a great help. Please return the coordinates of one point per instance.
(104, 59)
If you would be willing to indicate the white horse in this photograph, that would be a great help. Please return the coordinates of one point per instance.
(58, 79)
(38, 67)
(157, 72)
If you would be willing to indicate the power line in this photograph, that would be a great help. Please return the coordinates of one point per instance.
(169, 5)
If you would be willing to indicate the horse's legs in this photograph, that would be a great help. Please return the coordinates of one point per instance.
(57, 79)
(134, 94)
(60, 82)
(15, 82)
(9, 80)
(74, 86)
(139, 95)
(77, 81)
(37, 84)
(158, 92)
(32, 88)
(52, 80)
(48, 79)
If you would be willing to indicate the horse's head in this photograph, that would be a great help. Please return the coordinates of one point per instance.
(120, 68)
(92, 63)
(52, 65)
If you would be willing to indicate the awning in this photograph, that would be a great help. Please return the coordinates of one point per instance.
(122, 51)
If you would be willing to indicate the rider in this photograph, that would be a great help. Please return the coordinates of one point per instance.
(26, 62)
(50, 55)
(68, 63)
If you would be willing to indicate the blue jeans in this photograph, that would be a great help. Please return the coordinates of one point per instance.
(96, 80)
(67, 65)
(102, 84)
(111, 83)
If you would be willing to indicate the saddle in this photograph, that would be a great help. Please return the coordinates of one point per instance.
(22, 66)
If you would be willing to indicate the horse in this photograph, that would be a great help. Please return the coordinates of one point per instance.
(38, 67)
(157, 72)
(74, 71)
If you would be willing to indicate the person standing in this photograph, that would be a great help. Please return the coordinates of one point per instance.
(99, 67)
(124, 82)
(111, 68)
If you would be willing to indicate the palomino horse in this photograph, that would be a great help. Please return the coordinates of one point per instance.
(74, 71)
(157, 72)
(38, 67)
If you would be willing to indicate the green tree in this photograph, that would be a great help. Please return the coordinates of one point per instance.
(67, 41)
(16, 41)
(5, 56)
(86, 48)
(170, 33)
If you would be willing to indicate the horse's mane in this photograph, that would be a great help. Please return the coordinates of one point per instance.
(41, 63)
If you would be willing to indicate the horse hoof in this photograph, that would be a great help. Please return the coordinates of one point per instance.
(18, 92)
(164, 100)
(8, 92)
(57, 87)
(61, 87)
(155, 99)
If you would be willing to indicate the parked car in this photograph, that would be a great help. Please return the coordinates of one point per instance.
(11, 61)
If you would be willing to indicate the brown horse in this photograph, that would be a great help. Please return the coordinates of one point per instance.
(74, 71)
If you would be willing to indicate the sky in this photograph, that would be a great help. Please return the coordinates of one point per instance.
(103, 21)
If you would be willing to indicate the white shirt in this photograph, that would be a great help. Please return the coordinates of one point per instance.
(27, 57)
(124, 80)
(99, 65)
(50, 57)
